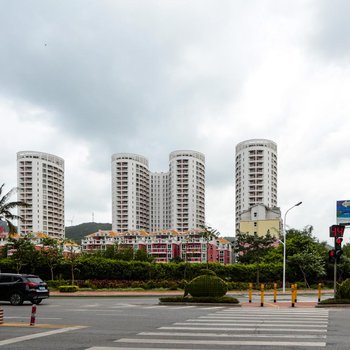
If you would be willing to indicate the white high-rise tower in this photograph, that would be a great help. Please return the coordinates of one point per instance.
(256, 174)
(159, 203)
(130, 192)
(40, 183)
(173, 200)
(187, 190)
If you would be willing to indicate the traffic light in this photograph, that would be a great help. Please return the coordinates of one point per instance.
(337, 247)
(331, 256)
(338, 242)
(338, 254)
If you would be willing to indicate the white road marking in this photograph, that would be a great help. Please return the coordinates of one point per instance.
(128, 348)
(38, 335)
(230, 335)
(38, 318)
(269, 329)
(272, 312)
(220, 342)
(256, 324)
(312, 318)
(265, 321)
(255, 319)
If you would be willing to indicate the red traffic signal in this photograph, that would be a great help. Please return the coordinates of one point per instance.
(338, 242)
(331, 256)
(336, 231)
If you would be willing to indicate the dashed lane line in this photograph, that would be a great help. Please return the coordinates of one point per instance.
(38, 335)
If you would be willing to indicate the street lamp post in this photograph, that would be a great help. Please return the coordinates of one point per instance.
(284, 245)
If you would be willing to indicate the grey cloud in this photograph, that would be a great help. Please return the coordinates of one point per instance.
(108, 71)
(332, 28)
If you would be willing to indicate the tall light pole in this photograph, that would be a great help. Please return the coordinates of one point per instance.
(284, 245)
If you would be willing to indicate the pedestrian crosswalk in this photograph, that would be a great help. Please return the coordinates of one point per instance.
(226, 328)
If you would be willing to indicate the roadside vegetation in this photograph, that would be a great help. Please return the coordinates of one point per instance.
(260, 261)
(342, 295)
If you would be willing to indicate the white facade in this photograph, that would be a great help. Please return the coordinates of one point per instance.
(159, 203)
(187, 190)
(256, 175)
(130, 192)
(40, 182)
(173, 200)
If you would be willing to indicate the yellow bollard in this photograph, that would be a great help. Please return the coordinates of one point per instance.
(250, 292)
(295, 292)
(319, 291)
(275, 292)
(293, 295)
(262, 294)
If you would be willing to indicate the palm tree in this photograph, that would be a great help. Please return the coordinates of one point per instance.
(6, 206)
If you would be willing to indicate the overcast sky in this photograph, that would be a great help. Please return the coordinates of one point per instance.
(83, 79)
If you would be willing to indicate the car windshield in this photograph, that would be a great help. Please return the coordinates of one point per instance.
(35, 279)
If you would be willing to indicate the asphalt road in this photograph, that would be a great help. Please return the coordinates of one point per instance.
(140, 323)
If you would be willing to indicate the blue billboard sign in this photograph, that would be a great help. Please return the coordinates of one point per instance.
(343, 212)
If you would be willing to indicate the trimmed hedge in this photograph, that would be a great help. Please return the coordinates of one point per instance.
(90, 267)
(335, 301)
(68, 289)
(206, 286)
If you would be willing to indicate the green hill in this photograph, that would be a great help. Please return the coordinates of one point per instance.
(77, 233)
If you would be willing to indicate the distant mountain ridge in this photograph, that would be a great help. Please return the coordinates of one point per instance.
(78, 232)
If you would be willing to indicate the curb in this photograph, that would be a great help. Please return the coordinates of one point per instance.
(332, 305)
(199, 304)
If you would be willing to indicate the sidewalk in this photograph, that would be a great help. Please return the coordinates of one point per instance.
(113, 293)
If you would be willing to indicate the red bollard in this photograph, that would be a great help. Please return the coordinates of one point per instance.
(32, 318)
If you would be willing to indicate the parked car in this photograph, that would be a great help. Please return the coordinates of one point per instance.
(17, 288)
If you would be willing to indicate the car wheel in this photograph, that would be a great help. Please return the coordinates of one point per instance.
(16, 299)
(37, 301)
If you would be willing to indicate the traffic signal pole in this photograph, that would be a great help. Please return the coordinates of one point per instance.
(336, 231)
(335, 278)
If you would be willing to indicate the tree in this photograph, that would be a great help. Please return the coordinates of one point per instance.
(251, 248)
(142, 255)
(71, 256)
(310, 264)
(51, 253)
(208, 234)
(305, 255)
(24, 253)
(6, 207)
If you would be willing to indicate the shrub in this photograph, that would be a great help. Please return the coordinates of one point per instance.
(335, 301)
(207, 272)
(206, 286)
(173, 286)
(343, 290)
(237, 285)
(55, 284)
(68, 289)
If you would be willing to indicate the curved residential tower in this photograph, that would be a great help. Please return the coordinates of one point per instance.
(40, 183)
(187, 190)
(256, 174)
(173, 200)
(130, 192)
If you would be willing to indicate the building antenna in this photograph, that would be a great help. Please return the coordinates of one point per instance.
(71, 220)
(93, 217)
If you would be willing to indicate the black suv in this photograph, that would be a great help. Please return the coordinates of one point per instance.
(17, 288)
